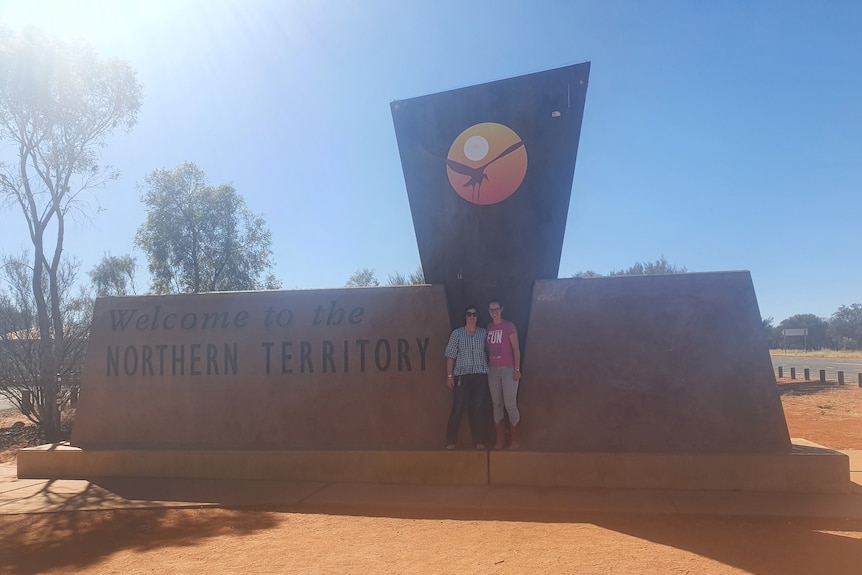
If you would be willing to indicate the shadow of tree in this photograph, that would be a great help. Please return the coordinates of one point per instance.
(70, 541)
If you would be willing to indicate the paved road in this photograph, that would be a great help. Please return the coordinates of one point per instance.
(850, 367)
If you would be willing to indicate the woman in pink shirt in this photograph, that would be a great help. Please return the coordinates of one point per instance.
(504, 373)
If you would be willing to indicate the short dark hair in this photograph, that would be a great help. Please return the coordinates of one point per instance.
(496, 301)
(469, 307)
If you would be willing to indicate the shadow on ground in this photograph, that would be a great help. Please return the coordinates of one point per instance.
(757, 545)
(806, 387)
(761, 546)
(72, 541)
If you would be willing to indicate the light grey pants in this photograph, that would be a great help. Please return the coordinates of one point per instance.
(504, 392)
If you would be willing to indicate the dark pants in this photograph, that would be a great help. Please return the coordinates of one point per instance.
(471, 392)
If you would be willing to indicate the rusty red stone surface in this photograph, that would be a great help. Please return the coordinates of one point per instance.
(653, 364)
(316, 369)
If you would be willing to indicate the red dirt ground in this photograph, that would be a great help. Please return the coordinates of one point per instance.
(251, 541)
(827, 414)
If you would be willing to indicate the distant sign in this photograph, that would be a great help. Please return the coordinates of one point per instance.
(795, 331)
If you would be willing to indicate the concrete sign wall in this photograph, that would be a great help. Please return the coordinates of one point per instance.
(652, 364)
(319, 369)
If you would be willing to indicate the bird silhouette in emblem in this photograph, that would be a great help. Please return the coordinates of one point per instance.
(478, 175)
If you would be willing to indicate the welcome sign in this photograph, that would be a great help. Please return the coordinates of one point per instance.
(276, 356)
(337, 369)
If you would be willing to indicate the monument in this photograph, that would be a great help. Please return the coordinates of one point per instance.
(656, 381)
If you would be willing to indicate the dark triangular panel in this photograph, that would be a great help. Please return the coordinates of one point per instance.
(489, 203)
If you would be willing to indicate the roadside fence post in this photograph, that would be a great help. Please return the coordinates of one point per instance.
(792, 373)
(780, 371)
(822, 376)
(840, 378)
(807, 374)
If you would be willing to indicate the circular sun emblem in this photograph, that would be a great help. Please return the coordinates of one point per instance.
(486, 163)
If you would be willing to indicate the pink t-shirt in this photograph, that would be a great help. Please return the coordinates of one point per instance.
(500, 345)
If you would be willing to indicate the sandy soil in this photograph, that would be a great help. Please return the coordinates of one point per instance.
(272, 541)
(827, 414)
(258, 541)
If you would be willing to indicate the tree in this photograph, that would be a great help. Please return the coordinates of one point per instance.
(817, 337)
(845, 327)
(114, 275)
(770, 332)
(202, 238)
(660, 266)
(58, 105)
(399, 279)
(363, 278)
(21, 345)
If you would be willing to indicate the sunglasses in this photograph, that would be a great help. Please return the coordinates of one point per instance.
(472, 314)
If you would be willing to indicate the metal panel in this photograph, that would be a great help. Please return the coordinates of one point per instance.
(489, 173)
(314, 369)
(651, 364)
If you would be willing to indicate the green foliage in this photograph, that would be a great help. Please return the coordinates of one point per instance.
(363, 278)
(399, 279)
(845, 327)
(59, 103)
(660, 266)
(773, 336)
(587, 274)
(271, 282)
(202, 238)
(114, 275)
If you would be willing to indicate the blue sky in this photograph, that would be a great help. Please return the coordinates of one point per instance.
(722, 135)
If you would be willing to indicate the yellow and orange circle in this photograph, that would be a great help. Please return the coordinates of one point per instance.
(486, 163)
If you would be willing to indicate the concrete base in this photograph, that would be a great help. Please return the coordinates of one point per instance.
(809, 468)
(407, 467)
